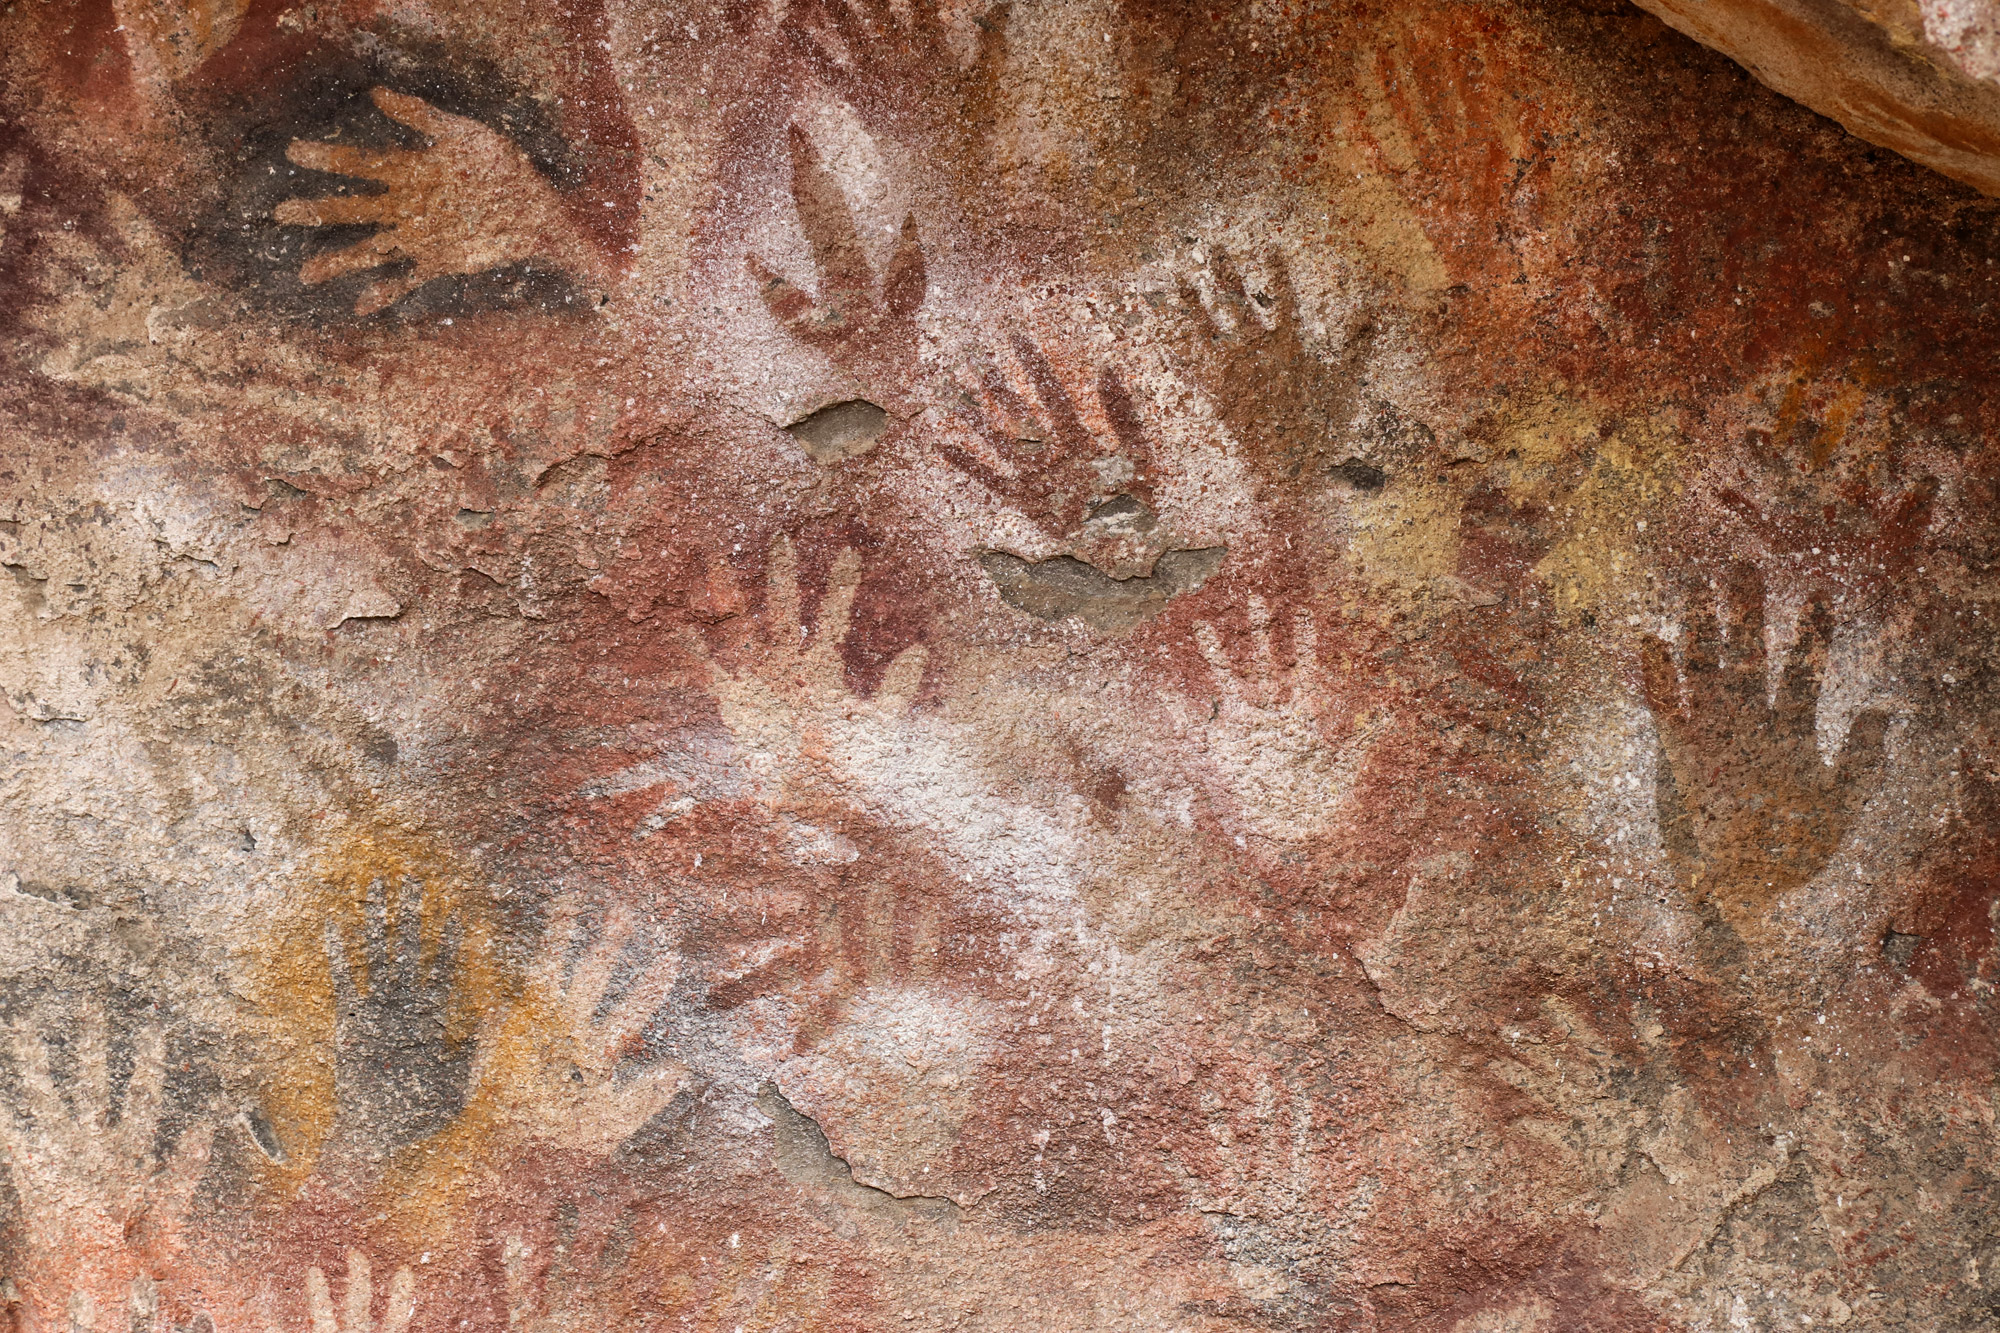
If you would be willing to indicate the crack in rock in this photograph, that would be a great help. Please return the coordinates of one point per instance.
(806, 1157)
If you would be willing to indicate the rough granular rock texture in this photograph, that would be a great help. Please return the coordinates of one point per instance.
(1919, 76)
(859, 666)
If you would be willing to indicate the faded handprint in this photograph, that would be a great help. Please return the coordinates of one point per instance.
(1866, 541)
(754, 1279)
(866, 328)
(845, 937)
(1762, 811)
(1440, 116)
(468, 201)
(356, 1312)
(140, 1313)
(1807, 488)
(114, 310)
(791, 715)
(95, 1190)
(897, 65)
(1257, 1157)
(560, 1284)
(169, 39)
(1950, 938)
(1609, 1092)
(566, 1089)
(1268, 730)
(1277, 398)
(398, 1075)
(541, 1294)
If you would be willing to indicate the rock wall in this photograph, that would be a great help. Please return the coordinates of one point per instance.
(1919, 76)
(1075, 665)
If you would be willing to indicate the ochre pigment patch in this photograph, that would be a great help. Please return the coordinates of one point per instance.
(365, 892)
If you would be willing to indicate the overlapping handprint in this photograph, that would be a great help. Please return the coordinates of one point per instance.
(468, 201)
(789, 710)
(570, 1072)
(84, 1154)
(1249, 351)
(1269, 742)
(1020, 432)
(1461, 143)
(1761, 810)
(808, 743)
(898, 66)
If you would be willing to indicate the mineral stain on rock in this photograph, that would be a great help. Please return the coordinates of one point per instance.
(1360, 474)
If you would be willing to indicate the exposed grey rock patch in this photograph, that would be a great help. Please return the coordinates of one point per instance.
(805, 1156)
(840, 430)
(1063, 586)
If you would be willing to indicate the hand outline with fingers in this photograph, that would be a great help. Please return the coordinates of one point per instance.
(356, 1313)
(793, 715)
(1285, 780)
(1038, 456)
(398, 1075)
(567, 1090)
(865, 324)
(1763, 811)
(897, 66)
(804, 735)
(90, 1182)
(470, 200)
(1247, 351)
(1467, 156)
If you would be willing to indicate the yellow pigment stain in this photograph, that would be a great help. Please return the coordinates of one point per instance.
(1406, 535)
(433, 1188)
(293, 989)
(539, 1080)
(1598, 563)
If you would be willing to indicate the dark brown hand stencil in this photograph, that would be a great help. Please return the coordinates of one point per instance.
(1278, 399)
(1747, 787)
(865, 326)
(468, 201)
(1040, 453)
(398, 1075)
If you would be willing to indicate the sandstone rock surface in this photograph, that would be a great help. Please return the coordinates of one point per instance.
(833, 665)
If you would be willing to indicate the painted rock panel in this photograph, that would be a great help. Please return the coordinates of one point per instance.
(1054, 666)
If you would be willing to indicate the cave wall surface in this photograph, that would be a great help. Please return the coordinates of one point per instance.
(1919, 76)
(1073, 665)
